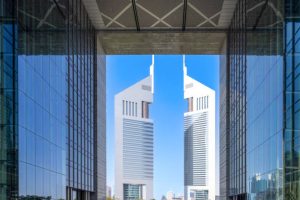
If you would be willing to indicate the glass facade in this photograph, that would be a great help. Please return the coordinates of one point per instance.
(8, 101)
(133, 192)
(48, 73)
(200, 195)
(292, 100)
(42, 125)
(42, 98)
(254, 77)
(224, 123)
(265, 101)
(81, 70)
(237, 102)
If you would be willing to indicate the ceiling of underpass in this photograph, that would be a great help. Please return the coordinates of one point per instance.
(175, 26)
(150, 26)
(161, 26)
(122, 14)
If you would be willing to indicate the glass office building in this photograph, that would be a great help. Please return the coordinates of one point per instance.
(49, 128)
(133, 192)
(260, 102)
(292, 99)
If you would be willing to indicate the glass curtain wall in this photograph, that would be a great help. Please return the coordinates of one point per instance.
(264, 99)
(292, 100)
(224, 124)
(237, 102)
(256, 100)
(47, 100)
(81, 72)
(133, 192)
(42, 96)
(8, 101)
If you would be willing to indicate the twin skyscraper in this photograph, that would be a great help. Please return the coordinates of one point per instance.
(134, 140)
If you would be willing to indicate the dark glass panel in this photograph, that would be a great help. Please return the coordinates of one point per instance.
(292, 120)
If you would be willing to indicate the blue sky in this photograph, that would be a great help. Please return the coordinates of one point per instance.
(166, 111)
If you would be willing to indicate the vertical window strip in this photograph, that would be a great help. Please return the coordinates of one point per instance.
(132, 109)
(129, 108)
(207, 100)
(123, 107)
(142, 107)
(200, 103)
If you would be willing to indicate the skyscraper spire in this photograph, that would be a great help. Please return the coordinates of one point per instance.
(184, 66)
(152, 73)
(153, 59)
(152, 66)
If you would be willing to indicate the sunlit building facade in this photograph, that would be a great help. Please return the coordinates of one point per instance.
(259, 102)
(50, 130)
(199, 140)
(134, 141)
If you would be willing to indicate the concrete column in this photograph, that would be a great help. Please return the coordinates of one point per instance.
(100, 154)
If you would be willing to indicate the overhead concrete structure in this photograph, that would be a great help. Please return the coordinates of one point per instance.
(165, 42)
(143, 26)
(157, 14)
(161, 26)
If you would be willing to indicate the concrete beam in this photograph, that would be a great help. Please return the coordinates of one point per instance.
(227, 13)
(162, 42)
(94, 13)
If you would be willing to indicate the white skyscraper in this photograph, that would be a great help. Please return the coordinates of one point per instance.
(199, 140)
(134, 140)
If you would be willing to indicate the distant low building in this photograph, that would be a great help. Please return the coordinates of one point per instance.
(219, 198)
(163, 198)
(108, 191)
(178, 198)
(170, 195)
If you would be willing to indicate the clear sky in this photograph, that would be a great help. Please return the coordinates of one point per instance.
(166, 111)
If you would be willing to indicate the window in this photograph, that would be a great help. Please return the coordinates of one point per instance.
(129, 108)
(136, 109)
(145, 109)
(207, 101)
(132, 106)
(123, 107)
